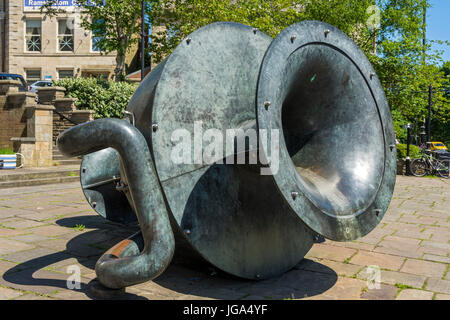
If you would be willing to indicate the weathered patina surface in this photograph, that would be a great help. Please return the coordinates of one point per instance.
(312, 84)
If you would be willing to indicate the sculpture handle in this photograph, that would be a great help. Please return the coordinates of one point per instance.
(120, 271)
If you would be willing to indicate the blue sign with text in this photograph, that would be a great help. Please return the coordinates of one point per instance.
(66, 4)
(59, 3)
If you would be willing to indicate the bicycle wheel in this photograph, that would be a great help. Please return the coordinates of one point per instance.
(442, 169)
(418, 167)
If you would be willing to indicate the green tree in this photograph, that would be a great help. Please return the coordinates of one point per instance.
(441, 129)
(181, 17)
(405, 65)
(115, 23)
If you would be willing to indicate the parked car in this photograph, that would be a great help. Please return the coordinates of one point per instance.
(39, 84)
(13, 76)
(438, 146)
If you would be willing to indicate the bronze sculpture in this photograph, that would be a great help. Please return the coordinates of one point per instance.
(312, 84)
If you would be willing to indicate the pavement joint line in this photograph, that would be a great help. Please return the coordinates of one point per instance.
(425, 283)
(355, 276)
(24, 291)
(446, 271)
(403, 263)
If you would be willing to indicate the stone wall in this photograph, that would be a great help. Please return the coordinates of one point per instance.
(37, 147)
(28, 127)
(65, 114)
(13, 118)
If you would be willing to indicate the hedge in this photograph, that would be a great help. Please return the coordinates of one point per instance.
(414, 151)
(7, 151)
(108, 99)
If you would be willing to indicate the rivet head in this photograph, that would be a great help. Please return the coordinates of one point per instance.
(294, 195)
(83, 170)
(267, 104)
(188, 40)
(377, 212)
(326, 32)
(94, 204)
(372, 75)
(258, 276)
(293, 38)
(255, 30)
(155, 127)
(392, 147)
(347, 230)
(187, 231)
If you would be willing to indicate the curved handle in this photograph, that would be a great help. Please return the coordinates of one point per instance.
(117, 271)
(23, 160)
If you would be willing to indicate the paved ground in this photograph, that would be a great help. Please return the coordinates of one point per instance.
(46, 229)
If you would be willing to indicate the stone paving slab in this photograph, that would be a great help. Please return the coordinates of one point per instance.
(47, 231)
(413, 294)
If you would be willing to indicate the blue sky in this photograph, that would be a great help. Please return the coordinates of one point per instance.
(439, 24)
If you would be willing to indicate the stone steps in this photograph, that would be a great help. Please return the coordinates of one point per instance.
(34, 177)
(61, 159)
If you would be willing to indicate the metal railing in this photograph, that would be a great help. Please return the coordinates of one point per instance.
(64, 117)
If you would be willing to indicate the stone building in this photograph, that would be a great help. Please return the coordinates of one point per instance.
(40, 47)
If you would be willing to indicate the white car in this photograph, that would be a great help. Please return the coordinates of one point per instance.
(39, 84)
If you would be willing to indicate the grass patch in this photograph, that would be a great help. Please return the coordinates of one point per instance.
(5, 227)
(79, 227)
(97, 246)
(73, 174)
(6, 151)
(403, 286)
(244, 296)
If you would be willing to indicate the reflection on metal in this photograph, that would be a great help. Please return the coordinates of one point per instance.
(129, 115)
(336, 166)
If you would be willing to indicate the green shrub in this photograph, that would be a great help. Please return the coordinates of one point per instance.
(108, 99)
(7, 151)
(414, 151)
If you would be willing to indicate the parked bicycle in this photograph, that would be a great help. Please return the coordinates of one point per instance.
(427, 164)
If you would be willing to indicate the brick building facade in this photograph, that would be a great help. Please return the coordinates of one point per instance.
(40, 47)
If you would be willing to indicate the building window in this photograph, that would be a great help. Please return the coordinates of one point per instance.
(95, 46)
(95, 74)
(33, 75)
(65, 35)
(33, 35)
(62, 74)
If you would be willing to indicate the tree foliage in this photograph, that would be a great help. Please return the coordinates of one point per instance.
(404, 65)
(182, 17)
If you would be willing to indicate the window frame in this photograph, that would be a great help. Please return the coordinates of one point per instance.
(32, 81)
(67, 70)
(60, 36)
(26, 35)
(92, 44)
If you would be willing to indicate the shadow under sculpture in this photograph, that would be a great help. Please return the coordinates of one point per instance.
(337, 156)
